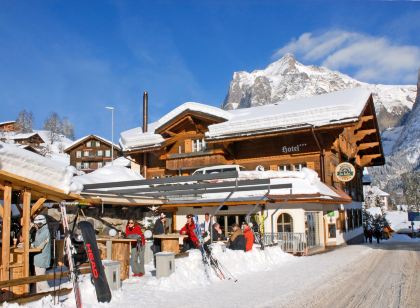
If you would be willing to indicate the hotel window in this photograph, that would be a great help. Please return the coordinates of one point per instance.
(285, 223)
(96, 144)
(86, 165)
(298, 167)
(89, 144)
(78, 165)
(78, 154)
(198, 145)
(100, 153)
(107, 153)
(284, 168)
(86, 153)
(100, 164)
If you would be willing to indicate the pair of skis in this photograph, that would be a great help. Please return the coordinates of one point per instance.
(208, 258)
(103, 293)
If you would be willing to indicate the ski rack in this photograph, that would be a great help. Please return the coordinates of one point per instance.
(69, 251)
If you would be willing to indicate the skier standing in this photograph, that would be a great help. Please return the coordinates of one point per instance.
(133, 231)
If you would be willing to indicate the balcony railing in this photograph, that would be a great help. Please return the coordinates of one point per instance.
(288, 241)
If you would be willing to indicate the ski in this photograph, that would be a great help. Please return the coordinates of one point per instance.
(209, 260)
(201, 247)
(70, 251)
(103, 293)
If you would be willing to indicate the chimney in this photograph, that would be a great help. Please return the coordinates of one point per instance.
(145, 113)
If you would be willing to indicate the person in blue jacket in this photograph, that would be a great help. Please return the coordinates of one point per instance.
(42, 259)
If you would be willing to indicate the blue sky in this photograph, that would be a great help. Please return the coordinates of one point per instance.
(76, 57)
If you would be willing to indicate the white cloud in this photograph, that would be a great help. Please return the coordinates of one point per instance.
(367, 58)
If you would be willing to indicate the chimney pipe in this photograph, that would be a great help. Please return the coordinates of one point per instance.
(145, 112)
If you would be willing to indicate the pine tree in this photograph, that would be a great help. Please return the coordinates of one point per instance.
(25, 121)
(410, 185)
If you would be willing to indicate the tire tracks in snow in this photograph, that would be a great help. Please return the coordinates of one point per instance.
(388, 276)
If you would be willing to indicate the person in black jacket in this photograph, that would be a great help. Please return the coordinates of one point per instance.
(159, 228)
(217, 233)
(237, 240)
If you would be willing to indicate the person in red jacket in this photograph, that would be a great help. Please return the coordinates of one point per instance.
(133, 231)
(249, 238)
(189, 229)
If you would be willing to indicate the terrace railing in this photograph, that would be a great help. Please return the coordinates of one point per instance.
(288, 241)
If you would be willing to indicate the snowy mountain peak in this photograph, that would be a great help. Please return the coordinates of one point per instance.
(287, 79)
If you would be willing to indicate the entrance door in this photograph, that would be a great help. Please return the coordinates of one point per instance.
(312, 229)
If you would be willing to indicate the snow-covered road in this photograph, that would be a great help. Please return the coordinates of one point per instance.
(384, 275)
(388, 276)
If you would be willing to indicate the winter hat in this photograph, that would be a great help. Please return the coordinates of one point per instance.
(40, 219)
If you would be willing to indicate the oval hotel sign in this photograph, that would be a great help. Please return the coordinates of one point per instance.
(345, 172)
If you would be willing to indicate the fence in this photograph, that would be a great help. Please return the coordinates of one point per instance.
(288, 241)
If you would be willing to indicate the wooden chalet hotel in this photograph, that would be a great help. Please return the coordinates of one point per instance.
(283, 142)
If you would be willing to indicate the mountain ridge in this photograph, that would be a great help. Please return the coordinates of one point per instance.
(397, 108)
(287, 78)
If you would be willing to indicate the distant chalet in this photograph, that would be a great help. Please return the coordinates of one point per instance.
(317, 132)
(8, 126)
(91, 152)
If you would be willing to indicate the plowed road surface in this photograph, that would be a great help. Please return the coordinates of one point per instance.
(387, 276)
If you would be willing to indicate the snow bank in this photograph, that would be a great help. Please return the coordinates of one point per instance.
(36, 167)
(109, 173)
(190, 272)
(399, 221)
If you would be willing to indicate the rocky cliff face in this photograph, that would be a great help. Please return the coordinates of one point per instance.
(402, 149)
(287, 79)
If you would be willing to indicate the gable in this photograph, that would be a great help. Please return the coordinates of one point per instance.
(188, 121)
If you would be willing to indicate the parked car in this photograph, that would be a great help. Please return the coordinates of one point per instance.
(218, 169)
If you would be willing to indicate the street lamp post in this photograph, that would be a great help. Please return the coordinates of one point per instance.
(112, 134)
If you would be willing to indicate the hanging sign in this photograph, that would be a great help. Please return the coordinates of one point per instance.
(345, 172)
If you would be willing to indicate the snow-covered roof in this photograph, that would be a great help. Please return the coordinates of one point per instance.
(80, 140)
(36, 167)
(7, 122)
(120, 161)
(320, 110)
(25, 136)
(104, 174)
(375, 190)
(332, 108)
(135, 138)
(197, 107)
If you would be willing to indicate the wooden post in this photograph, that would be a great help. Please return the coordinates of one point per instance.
(7, 216)
(25, 232)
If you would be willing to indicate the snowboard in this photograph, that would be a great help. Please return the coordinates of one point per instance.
(103, 293)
